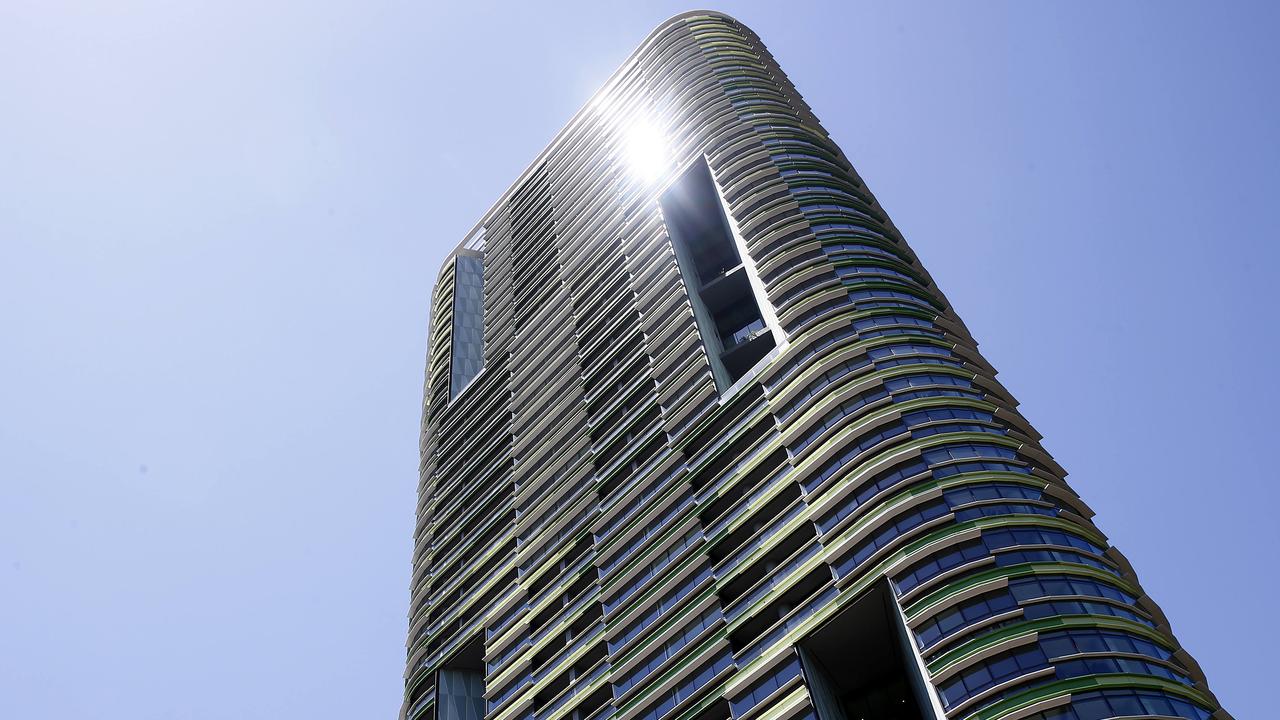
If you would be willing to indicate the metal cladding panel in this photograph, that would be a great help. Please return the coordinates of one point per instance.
(627, 541)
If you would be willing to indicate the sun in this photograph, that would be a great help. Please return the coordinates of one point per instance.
(645, 151)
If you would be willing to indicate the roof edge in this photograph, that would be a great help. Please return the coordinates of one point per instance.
(608, 83)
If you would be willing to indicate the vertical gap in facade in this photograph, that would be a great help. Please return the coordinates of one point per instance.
(859, 665)
(468, 321)
(726, 308)
(460, 684)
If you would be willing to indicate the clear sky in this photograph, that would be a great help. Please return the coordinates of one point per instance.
(220, 223)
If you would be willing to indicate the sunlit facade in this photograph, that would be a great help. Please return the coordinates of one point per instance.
(702, 440)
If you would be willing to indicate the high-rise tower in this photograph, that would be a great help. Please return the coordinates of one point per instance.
(702, 440)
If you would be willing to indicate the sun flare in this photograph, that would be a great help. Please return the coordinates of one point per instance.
(645, 151)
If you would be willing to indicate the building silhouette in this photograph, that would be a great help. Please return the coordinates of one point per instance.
(703, 440)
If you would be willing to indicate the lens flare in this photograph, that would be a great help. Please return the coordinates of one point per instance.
(645, 151)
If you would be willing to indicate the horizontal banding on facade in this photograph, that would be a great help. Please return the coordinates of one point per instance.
(615, 521)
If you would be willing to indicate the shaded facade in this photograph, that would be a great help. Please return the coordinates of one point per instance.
(702, 440)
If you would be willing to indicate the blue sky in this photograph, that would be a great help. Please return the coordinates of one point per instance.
(220, 223)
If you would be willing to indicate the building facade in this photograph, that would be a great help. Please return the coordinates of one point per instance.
(703, 440)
